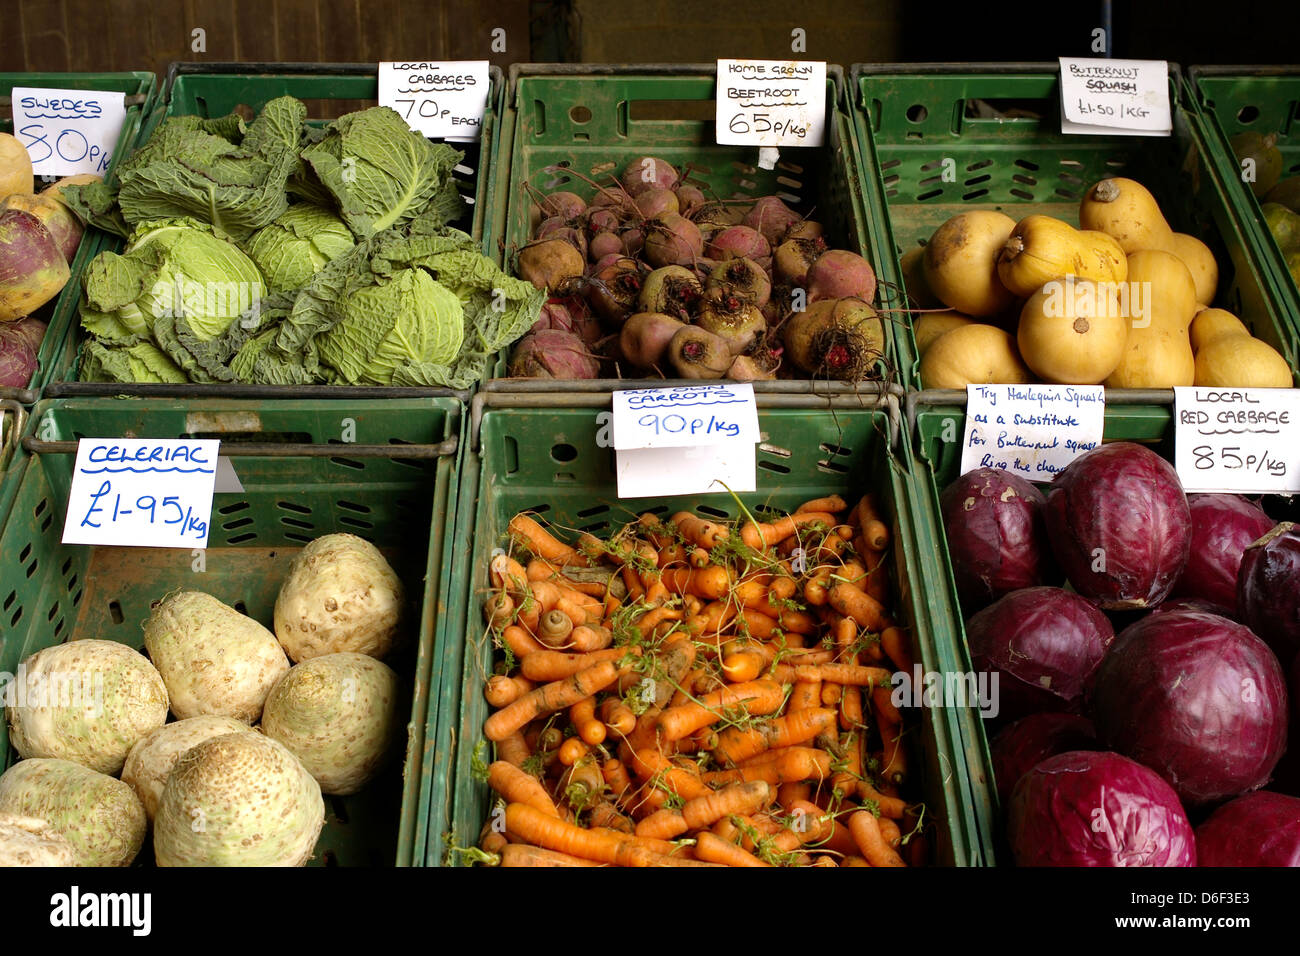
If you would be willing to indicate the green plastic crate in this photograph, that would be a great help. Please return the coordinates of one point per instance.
(61, 312)
(13, 419)
(596, 119)
(1235, 99)
(51, 592)
(547, 460)
(912, 118)
(938, 423)
(329, 90)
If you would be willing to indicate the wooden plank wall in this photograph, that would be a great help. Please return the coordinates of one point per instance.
(92, 35)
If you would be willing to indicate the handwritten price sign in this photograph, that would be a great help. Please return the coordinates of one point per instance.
(68, 131)
(1244, 441)
(441, 100)
(771, 103)
(152, 493)
(1031, 430)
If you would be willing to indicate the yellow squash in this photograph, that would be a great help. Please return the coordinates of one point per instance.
(973, 355)
(1161, 303)
(961, 262)
(1073, 332)
(1042, 248)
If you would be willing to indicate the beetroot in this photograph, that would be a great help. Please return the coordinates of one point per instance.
(602, 220)
(1021, 746)
(1197, 698)
(564, 205)
(645, 336)
(794, 258)
(1268, 589)
(646, 172)
(1045, 643)
(733, 319)
(569, 314)
(672, 290)
(656, 202)
(1084, 808)
(604, 244)
(1259, 829)
(695, 353)
(715, 216)
(803, 229)
(689, 197)
(552, 354)
(614, 289)
(633, 239)
(771, 217)
(837, 339)
(996, 537)
(742, 277)
(838, 274)
(746, 368)
(1119, 525)
(550, 264)
(1223, 526)
(673, 241)
(737, 242)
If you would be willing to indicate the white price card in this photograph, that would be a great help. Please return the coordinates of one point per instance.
(1033, 431)
(1242, 440)
(1125, 97)
(685, 439)
(146, 492)
(68, 131)
(442, 100)
(771, 103)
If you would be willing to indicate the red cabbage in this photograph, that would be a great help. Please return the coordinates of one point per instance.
(1021, 746)
(1268, 589)
(1259, 829)
(1223, 526)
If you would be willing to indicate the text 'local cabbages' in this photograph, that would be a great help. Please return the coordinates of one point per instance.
(1084, 808)
(1119, 525)
(341, 595)
(86, 701)
(1197, 698)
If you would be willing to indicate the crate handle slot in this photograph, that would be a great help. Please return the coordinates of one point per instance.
(287, 450)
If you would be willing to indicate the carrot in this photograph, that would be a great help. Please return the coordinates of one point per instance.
(831, 694)
(856, 675)
(757, 697)
(586, 639)
(882, 700)
(646, 623)
(891, 807)
(617, 717)
(521, 854)
(806, 694)
(714, 849)
(516, 786)
(816, 586)
(501, 690)
(791, 764)
(831, 504)
(545, 665)
(854, 861)
(513, 748)
(862, 607)
(736, 744)
(850, 712)
(699, 531)
(876, 582)
(743, 665)
(847, 779)
(607, 815)
(866, 832)
(508, 573)
(650, 763)
(670, 554)
(757, 624)
(541, 570)
(893, 756)
(490, 841)
(602, 846)
(498, 609)
(554, 628)
(740, 798)
(889, 830)
(616, 778)
(712, 583)
(572, 750)
(712, 620)
(699, 558)
(894, 641)
(583, 715)
(520, 642)
(760, 536)
(550, 697)
(542, 543)
(876, 534)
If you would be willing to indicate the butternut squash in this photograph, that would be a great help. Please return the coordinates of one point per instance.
(1200, 261)
(1042, 248)
(961, 262)
(1125, 210)
(973, 355)
(918, 290)
(1240, 361)
(930, 325)
(1210, 324)
(1073, 332)
(1161, 302)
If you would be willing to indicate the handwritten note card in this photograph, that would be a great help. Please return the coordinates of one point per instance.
(771, 103)
(1031, 430)
(685, 439)
(146, 492)
(68, 131)
(1245, 441)
(442, 100)
(1126, 97)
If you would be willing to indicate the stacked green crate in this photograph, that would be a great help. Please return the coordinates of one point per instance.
(138, 89)
(382, 470)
